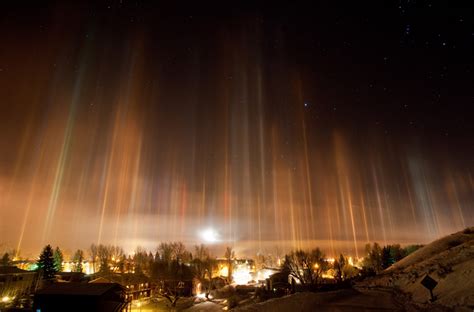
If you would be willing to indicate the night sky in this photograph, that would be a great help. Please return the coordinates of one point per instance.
(331, 125)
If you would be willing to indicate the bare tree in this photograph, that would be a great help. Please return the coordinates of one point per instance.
(169, 267)
(203, 265)
(173, 251)
(140, 260)
(93, 251)
(229, 255)
(77, 260)
(108, 257)
(307, 267)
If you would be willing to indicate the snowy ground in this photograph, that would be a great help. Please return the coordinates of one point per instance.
(360, 299)
(449, 260)
(342, 300)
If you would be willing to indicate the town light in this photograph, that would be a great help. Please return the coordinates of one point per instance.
(224, 271)
(6, 299)
(241, 276)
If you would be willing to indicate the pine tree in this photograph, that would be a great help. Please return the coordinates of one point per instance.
(58, 259)
(46, 262)
(6, 260)
(387, 259)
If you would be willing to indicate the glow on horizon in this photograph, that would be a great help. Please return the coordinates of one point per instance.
(209, 235)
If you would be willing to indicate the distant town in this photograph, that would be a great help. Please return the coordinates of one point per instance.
(104, 278)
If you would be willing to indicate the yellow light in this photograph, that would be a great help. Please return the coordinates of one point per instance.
(224, 271)
(6, 299)
(241, 275)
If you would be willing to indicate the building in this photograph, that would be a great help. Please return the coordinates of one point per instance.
(243, 270)
(15, 283)
(137, 286)
(107, 297)
(71, 277)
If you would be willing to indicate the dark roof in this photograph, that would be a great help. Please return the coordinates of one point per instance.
(12, 270)
(70, 274)
(125, 278)
(79, 289)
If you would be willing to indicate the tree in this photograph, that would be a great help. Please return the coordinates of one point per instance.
(307, 267)
(109, 257)
(140, 260)
(115, 258)
(173, 251)
(121, 264)
(77, 260)
(58, 259)
(343, 270)
(46, 263)
(397, 253)
(261, 261)
(411, 249)
(104, 255)
(373, 259)
(203, 266)
(170, 269)
(339, 268)
(201, 254)
(93, 250)
(6, 260)
(319, 264)
(229, 255)
(386, 257)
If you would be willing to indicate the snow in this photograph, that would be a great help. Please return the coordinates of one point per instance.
(342, 300)
(449, 260)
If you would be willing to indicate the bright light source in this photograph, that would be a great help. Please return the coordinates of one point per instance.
(224, 271)
(241, 276)
(209, 235)
(6, 299)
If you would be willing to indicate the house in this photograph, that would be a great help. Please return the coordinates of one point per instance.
(72, 277)
(15, 283)
(137, 286)
(279, 280)
(107, 297)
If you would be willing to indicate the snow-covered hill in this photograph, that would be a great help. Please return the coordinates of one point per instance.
(448, 260)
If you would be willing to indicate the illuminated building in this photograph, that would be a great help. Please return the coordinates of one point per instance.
(15, 282)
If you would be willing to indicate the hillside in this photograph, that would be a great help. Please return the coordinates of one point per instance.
(448, 260)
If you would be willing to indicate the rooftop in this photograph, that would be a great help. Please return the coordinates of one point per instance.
(79, 289)
(12, 270)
